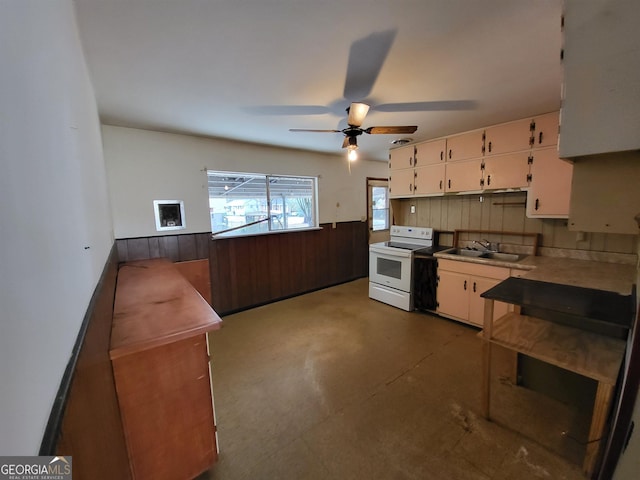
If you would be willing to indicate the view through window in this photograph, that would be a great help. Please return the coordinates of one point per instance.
(380, 208)
(243, 203)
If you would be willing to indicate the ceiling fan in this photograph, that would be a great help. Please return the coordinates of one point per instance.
(357, 112)
(366, 58)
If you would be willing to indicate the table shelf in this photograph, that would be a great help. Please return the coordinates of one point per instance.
(586, 353)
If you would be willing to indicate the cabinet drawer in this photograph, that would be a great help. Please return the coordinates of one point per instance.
(488, 271)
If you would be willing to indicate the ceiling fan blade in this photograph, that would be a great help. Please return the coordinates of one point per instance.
(287, 110)
(316, 131)
(391, 130)
(427, 106)
(357, 112)
(366, 57)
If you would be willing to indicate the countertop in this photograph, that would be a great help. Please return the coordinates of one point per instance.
(155, 305)
(595, 304)
(598, 275)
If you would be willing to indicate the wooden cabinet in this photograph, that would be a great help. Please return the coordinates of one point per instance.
(464, 176)
(601, 98)
(160, 359)
(429, 179)
(495, 158)
(460, 285)
(429, 153)
(425, 177)
(506, 171)
(401, 157)
(604, 194)
(401, 182)
(465, 146)
(550, 189)
(545, 130)
(508, 137)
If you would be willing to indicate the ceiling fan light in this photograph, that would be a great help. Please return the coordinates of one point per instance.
(352, 154)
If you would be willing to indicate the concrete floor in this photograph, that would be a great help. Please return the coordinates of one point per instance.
(333, 385)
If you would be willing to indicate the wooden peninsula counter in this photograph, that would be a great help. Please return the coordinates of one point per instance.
(583, 331)
(160, 357)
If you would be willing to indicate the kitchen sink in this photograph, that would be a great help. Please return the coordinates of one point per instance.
(465, 252)
(505, 257)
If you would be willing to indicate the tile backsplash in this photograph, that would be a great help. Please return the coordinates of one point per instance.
(504, 212)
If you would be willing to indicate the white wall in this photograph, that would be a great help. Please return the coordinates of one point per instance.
(56, 228)
(143, 166)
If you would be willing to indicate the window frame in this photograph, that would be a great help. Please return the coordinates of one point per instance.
(268, 220)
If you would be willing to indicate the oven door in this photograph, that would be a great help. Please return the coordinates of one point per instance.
(390, 269)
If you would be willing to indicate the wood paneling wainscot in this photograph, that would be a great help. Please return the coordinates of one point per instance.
(91, 430)
(254, 270)
(177, 248)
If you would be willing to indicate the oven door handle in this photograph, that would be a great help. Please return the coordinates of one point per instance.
(392, 256)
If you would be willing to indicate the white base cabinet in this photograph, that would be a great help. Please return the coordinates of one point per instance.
(460, 285)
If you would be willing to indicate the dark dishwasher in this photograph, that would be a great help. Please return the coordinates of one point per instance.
(425, 272)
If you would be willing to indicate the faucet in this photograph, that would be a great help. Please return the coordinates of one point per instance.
(486, 245)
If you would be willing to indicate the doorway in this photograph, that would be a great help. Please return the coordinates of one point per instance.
(378, 209)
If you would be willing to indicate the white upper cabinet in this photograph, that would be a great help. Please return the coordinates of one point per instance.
(509, 137)
(506, 171)
(550, 189)
(600, 111)
(429, 153)
(465, 146)
(545, 130)
(401, 157)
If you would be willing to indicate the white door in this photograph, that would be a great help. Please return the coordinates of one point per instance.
(378, 209)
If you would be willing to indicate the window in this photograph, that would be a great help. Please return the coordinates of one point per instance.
(379, 208)
(247, 203)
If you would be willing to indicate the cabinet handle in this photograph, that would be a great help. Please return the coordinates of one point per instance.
(488, 180)
(440, 184)
(540, 138)
(441, 155)
(449, 154)
(465, 284)
(537, 203)
(474, 286)
(411, 187)
(449, 183)
(489, 147)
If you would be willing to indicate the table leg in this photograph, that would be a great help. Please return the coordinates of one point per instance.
(486, 357)
(602, 404)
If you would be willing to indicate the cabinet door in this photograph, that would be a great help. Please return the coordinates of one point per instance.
(506, 171)
(463, 176)
(550, 189)
(545, 133)
(429, 153)
(401, 183)
(477, 286)
(453, 294)
(165, 402)
(465, 146)
(508, 137)
(429, 180)
(401, 157)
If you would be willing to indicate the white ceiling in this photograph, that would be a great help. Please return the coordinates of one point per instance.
(206, 67)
